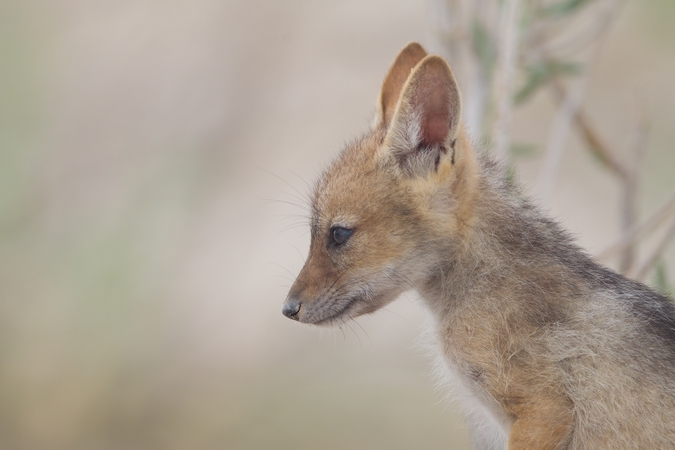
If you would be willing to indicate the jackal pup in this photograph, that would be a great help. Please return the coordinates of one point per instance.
(547, 349)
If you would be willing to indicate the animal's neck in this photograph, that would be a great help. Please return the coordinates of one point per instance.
(506, 245)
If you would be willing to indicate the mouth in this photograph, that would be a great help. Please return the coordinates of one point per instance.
(338, 316)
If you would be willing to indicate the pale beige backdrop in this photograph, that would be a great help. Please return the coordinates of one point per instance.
(151, 156)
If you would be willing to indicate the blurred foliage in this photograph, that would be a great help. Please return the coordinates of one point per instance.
(21, 115)
(563, 8)
(524, 150)
(657, 19)
(484, 47)
(539, 74)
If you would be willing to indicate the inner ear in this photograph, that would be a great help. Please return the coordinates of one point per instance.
(426, 121)
(436, 120)
(393, 83)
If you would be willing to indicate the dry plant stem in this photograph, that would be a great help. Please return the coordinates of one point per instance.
(628, 220)
(585, 36)
(626, 172)
(630, 190)
(640, 231)
(478, 89)
(595, 144)
(640, 272)
(451, 23)
(570, 103)
(558, 138)
(506, 65)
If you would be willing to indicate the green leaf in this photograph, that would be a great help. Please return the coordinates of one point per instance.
(563, 8)
(540, 73)
(523, 149)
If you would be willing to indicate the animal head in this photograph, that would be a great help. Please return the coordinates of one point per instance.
(392, 202)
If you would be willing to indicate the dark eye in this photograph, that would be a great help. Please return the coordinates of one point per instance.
(340, 235)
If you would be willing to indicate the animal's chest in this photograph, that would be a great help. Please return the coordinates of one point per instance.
(472, 371)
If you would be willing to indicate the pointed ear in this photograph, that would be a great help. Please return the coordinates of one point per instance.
(398, 73)
(426, 122)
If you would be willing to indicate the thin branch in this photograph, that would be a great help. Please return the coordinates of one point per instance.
(575, 36)
(630, 188)
(626, 171)
(451, 24)
(596, 145)
(558, 138)
(506, 66)
(638, 232)
(640, 272)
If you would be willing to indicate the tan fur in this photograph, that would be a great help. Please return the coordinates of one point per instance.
(547, 349)
(398, 73)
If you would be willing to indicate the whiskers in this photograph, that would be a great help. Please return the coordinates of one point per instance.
(296, 199)
(342, 325)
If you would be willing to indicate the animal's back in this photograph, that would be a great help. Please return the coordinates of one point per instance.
(623, 384)
(546, 315)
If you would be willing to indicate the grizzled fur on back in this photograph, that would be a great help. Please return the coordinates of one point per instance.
(604, 342)
(546, 349)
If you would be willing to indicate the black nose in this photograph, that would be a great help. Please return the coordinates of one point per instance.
(290, 309)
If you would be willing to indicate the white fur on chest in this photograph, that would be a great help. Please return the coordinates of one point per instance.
(488, 426)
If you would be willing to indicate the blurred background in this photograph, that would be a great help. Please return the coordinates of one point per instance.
(151, 158)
